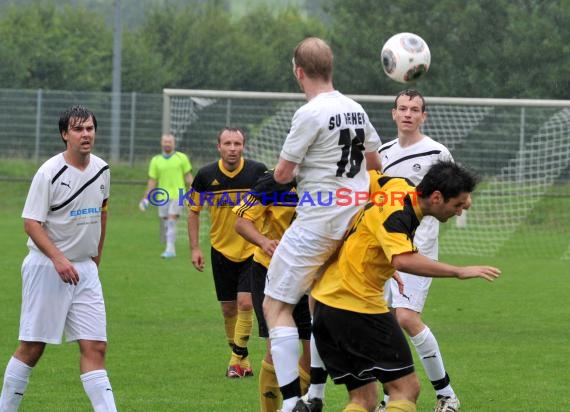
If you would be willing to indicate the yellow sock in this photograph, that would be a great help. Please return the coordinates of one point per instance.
(400, 406)
(269, 392)
(354, 407)
(230, 326)
(244, 324)
(305, 380)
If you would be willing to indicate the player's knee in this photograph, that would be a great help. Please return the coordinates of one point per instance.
(244, 301)
(406, 387)
(365, 396)
(410, 321)
(30, 352)
(94, 350)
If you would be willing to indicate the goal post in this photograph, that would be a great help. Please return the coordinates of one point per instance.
(520, 148)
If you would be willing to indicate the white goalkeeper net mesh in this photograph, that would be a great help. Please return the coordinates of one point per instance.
(522, 153)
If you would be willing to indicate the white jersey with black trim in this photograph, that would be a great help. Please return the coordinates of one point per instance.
(413, 162)
(68, 202)
(328, 138)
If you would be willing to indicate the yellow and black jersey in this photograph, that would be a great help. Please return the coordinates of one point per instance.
(220, 190)
(384, 228)
(274, 211)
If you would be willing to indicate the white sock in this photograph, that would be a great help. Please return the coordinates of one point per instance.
(285, 353)
(316, 390)
(98, 389)
(429, 353)
(16, 380)
(163, 230)
(170, 236)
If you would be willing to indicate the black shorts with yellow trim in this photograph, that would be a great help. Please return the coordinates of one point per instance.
(230, 277)
(359, 348)
(301, 313)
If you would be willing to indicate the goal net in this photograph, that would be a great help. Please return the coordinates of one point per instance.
(521, 149)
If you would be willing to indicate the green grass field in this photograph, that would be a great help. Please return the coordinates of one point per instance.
(506, 344)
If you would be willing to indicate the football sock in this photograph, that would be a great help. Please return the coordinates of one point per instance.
(401, 406)
(16, 380)
(305, 378)
(269, 393)
(285, 353)
(354, 407)
(428, 350)
(318, 373)
(170, 235)
(230, 326)
(98, 388)
(244, 324)
(163, 224)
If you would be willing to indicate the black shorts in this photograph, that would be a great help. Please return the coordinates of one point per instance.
(359, 348)
(230, 277)
(301, 313)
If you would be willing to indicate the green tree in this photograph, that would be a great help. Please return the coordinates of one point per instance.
(43, 47)
(480, 48)
(205, 47)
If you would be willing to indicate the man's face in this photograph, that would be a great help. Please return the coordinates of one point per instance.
(231, 148)
(167, 144)
(454, 206)
(408, 114)
(80, 135)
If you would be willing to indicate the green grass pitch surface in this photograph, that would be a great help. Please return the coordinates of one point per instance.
(505, 344)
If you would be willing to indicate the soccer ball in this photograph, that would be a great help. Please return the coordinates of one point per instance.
(405, 57)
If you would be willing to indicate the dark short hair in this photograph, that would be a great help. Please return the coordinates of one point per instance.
(411, 93)
(79, 113)
(449, 178)
(232, 130)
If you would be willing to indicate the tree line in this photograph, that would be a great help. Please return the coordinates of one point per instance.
(480, 48)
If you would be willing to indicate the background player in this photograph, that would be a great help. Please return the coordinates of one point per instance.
(331, 143)
(411, 155)
(222, 182)
(65, 217)
(171, 170)
(357, 336)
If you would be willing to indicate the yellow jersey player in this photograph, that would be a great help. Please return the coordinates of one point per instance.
(220, 186)
(357, 337)
(262, 219)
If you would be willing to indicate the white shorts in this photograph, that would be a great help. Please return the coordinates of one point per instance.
(415, 292)
(51, 307)
(171, 208)
(297, 262)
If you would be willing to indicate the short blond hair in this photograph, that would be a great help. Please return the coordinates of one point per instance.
(315, 57)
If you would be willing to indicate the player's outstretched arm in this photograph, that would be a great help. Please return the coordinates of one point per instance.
(486, 272)
(420, 265)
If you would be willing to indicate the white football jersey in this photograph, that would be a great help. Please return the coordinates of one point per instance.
(68, 202)
(413, 162)
(328, 138)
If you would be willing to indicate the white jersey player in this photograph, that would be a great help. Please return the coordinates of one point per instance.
(65, 217)
(410, 156)
(331, 144)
